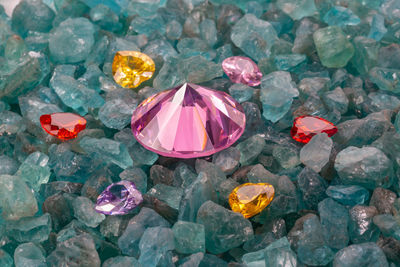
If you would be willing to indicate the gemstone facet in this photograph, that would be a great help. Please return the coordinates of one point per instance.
(119, 199)
(242, 70)
(250, 199)
(131, 68)
(188, 121)
(64, 126)
(305, 127)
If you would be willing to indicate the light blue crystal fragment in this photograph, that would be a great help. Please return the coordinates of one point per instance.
(5, 259)
(173, 30)
(386, 79)
(297, 9)
(168, 194)
(341, 16)
(8, 165)
(147, 25)
(366, 254)
(107, 150)
(121, 261)
(378, 29)
(155, 242)
(29, 255)
(208, 32)
(34, 170)
(189, 237)
(291, 62)
(349, 195)
(85, 213)
(388, 224)
(30, 229)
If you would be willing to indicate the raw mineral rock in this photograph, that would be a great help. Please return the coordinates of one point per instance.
(361, 227)
(360, 254)
(315, 154)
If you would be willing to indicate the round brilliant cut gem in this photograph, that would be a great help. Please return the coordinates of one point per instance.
(250, 199)
(131, 68)
(188, 121)
(119, 199)
(64, 126)
(242, 70)
(305, 127)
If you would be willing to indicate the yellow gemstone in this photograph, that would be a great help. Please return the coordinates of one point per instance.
(250, 199)
(131, 68)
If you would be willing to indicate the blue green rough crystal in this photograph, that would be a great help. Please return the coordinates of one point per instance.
(34, 170)
(116, 113)
(290, 62)
(386, 79)
(361, 226)
(286, 156)
(254, 36)
(312, 187)
(312, 249)
(366, 254)
(80, 248)
(136, 175)
(8, 165)
(168, 194)
(381, 101)
(173, 30)
(250, 149)
(192, 260)
(211, 170)
(297, 9)
(29, 255)
(121, 261)
(378, 29)
(227, 160)
(5, 259)
(315, 154)
(103, 16)
(32, 15)
(277, 93)
(10, 123)
(349, 195)
(334, 221)
(129, 240)
(208, 32)
(365, 54)
(341, 16)
(367, 166)
(241, 92)
(198, 69)
(334, 50)
(15, 48)
(84, 212)
(189, 237)
(224, 229)
(197, 193)
(155, 242)
(397, 122)
(107, 150)
(16, 198)
(388, 224)
(17, 78)
(30, 229)
(148, 25)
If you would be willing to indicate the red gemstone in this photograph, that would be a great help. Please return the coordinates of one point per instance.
(305, 127)
(64, 126)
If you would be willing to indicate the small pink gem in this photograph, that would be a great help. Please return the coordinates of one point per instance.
(188, 121)
(242, 70)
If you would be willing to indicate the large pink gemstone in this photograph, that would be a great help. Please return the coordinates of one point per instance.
(188, 121)
(242, 70)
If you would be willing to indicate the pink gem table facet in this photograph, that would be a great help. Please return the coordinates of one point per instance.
(242, 70)
(188, 121)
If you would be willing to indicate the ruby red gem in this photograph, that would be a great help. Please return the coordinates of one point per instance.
(64, 126)
(305, 127)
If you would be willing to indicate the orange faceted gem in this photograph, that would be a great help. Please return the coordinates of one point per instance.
(250, 199)
(131, 68)
(64, 126)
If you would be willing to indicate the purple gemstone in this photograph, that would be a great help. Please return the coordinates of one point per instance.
(242, 70)
(119, 199)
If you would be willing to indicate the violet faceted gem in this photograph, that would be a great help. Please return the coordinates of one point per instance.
(188, 121)
(242, 70)
(119, 199)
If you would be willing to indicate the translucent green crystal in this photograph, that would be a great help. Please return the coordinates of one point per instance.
(334, 50)
(30, 229)
(154, 244)
(189, 237)
(29, 255)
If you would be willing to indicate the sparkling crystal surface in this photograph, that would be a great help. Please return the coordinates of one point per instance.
(188, 121)
(242, 70)
(131, 68)
(64, 126)
(250, 199)
(305, 127)
(119, 198)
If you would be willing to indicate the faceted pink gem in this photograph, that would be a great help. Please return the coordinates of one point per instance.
(242, 70)
(188, 121)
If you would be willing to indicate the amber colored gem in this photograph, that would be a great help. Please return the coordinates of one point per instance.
(250, 199)
(305, 127)
(131, 68)
(64, 126)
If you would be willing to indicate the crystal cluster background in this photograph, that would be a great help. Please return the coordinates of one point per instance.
(336, 198)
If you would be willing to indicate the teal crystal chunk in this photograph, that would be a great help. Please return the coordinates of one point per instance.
(107, 150)
(155, 243)
(170, 195)
(72, 40)
(367, 166)
(366, 254)
(16, 198)
(378, 29)
(189, 237)
(334, 50)
(316, 153)
(388, 224)
(30, 229)
(250, 149)
(254, 36)
(224, 229)
(35, 170)
(121, 261)
(386, 79)
(5, 259)
(349, 195)
(366, 54)
(361, 226)
(341, 16)
(29, 255)
(85, 213)
(297, 9)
